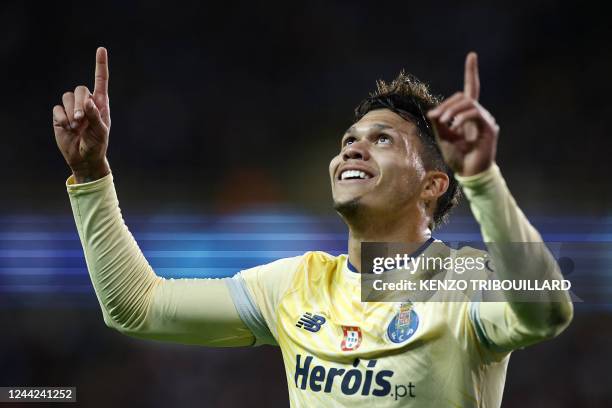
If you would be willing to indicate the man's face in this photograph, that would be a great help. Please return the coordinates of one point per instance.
(379, 166)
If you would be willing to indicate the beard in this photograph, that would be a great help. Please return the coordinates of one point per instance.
(349, 209)
(356, 214)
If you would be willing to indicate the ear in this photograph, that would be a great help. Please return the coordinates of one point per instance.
(435, 185)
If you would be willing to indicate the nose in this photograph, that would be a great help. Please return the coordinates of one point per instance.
(356, 151)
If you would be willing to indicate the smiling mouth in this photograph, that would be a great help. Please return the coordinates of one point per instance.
(354, 175)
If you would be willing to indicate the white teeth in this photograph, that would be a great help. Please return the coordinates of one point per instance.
(352, 174)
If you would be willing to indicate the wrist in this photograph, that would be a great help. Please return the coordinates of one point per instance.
(480, 181)
(475, 170)
(91, 172)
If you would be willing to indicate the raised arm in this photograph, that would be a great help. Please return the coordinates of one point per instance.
(133, 299)
(467, 135)
(82, 125)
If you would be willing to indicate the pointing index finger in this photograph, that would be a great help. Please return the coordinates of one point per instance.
(101, 82)
(471, 84)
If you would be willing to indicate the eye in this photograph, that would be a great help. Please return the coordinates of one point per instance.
(383, 138)
(348, 141)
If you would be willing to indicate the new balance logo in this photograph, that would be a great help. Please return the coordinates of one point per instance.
(311, 322)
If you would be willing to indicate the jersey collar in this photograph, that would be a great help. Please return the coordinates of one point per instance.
(416, 253)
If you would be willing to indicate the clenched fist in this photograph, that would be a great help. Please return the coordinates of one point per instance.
(82, 125)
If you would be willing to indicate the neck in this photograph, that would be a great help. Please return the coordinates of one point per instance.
(394, 231)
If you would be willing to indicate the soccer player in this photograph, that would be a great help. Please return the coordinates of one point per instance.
(394, 179)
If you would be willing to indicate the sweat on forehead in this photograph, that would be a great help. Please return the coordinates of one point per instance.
(377, 126)
(382, 119)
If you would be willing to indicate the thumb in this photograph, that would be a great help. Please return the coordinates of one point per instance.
(94, 118)
(443, 132)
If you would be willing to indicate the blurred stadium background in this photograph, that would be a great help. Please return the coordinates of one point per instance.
(225, 117)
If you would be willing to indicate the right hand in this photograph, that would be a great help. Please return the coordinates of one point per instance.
(82, 125)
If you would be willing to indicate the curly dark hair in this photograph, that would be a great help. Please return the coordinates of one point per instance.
(411, 98)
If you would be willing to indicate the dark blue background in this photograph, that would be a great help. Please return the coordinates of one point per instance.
(225, 116)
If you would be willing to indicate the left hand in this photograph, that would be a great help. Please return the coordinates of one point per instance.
(466, 132)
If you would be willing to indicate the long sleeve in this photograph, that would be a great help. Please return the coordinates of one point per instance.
(517, 251)
(134, 300)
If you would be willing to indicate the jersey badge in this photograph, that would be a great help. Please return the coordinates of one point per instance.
(351, 339)
(404, 324)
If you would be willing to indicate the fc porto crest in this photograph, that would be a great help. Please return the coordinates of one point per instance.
(404, 324)
(351, 339)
